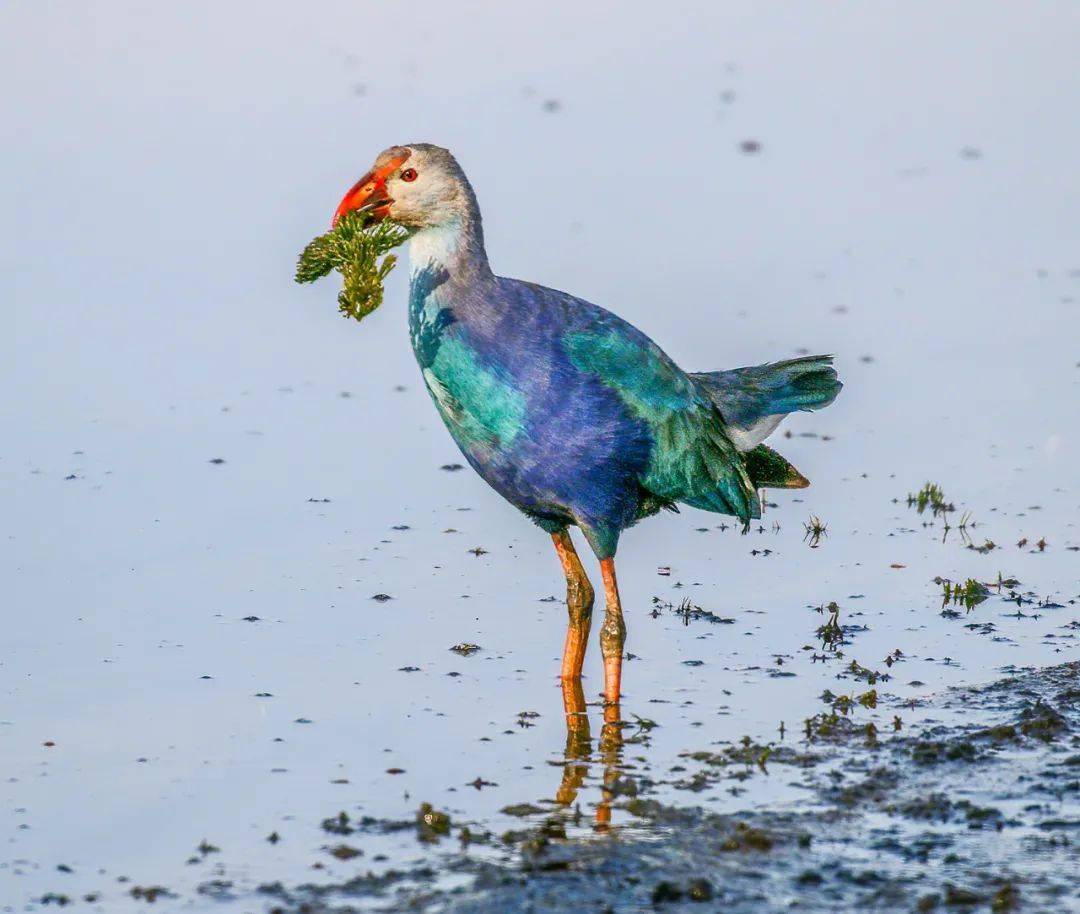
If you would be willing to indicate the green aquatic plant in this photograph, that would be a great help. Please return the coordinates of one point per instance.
(431, 824)
(752, 753)
(821, 726)
(688, 610)
(930, 496)
(969, 594)
(815, 530)
(844, 704)
(962, 527)
(642, 730)
(865, 674)
(354, 247)
(831, 633)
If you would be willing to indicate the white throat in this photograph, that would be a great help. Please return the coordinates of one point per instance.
(434, 246)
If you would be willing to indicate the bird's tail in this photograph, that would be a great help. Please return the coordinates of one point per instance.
(754, 400)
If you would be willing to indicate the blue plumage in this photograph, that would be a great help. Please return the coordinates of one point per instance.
(571, 452)
(566, 410)
(575, 416)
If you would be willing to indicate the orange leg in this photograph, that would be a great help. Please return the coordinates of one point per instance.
(579, 604)
(612, 633)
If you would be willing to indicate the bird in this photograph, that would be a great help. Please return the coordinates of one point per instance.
(569, 412)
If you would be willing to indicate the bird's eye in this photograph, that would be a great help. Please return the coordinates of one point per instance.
(409, 174)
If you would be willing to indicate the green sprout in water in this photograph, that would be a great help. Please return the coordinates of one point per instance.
(354, 248)
(815, 530)
(930, 496)
(969, 594)
(962, 526)
(831, 633)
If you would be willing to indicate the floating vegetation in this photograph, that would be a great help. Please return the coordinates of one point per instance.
(969, 594)
(689, 611)
(987, 546)
(740, 761)
(344, 851)
(747, 838)
(831, 633)
(340, 824)
(815, 530)
(752, 753)
(525, 718)
(431, 824)
(865, 674)
(150, 893)
(643, 727)
(465, 649)
(843, 704)
(521, 810)
(963, 525)
(930, 497)
(822, 726)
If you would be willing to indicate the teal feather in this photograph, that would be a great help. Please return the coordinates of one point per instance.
(692, 460)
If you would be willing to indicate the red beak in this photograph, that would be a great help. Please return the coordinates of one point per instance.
(369, 193)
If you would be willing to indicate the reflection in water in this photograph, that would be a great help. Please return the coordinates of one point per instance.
(578, 752)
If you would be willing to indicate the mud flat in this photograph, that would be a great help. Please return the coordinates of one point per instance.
(982, 813)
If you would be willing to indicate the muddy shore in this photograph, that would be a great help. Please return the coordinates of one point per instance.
(975, 815)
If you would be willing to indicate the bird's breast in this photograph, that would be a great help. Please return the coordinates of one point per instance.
(479, 403)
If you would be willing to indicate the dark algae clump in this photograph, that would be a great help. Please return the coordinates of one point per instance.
(431, 823)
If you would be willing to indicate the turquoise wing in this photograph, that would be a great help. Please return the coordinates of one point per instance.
(693, 460)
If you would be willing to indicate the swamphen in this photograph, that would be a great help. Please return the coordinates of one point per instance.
(570, 413)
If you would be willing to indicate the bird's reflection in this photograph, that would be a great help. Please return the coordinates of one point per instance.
(578, 752)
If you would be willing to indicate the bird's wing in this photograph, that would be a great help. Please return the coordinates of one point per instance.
(693, 459)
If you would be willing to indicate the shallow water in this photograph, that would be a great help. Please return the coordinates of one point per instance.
(974, 813)
(915, 213)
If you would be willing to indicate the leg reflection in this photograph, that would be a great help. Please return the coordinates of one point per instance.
(611, 744)
(578, 742)
(579, 752)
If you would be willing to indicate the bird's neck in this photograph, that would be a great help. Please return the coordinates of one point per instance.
(454, 249)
